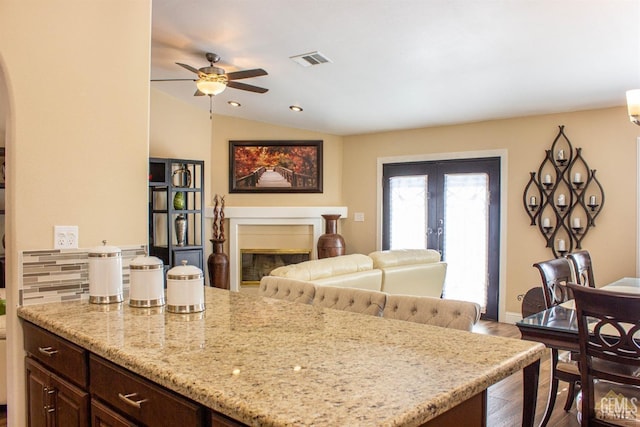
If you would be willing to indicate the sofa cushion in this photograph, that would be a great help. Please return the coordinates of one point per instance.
(349, 299)
(326, 267)
(369, 279)
(419, 279)
(396, 257)
(433, 311)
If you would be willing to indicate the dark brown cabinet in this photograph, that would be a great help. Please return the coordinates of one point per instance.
(53, 401)
(67, 386)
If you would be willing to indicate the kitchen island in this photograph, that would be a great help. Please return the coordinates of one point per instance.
(270, 362)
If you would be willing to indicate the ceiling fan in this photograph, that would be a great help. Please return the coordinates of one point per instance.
(214, 80)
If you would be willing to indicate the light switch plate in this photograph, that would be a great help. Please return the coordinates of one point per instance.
(358, 216)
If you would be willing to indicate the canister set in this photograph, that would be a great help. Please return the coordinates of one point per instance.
(185, 283)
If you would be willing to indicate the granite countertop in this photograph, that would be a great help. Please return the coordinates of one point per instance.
(274, 363)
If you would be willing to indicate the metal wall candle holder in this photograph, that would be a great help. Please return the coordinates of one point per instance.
(557, 199)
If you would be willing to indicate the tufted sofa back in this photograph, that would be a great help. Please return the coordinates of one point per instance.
(287, 289)
(324, 268)
(433, 311)
(350, 299)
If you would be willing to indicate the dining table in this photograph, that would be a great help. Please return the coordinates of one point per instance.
(557, 326)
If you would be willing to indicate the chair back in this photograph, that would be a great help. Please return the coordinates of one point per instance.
(362, 301)
(582, 267)
(609, 334)
(446, 313)
(287, 289)
(555, 275)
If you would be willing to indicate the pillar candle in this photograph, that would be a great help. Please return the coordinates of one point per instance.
(560, 154)
(546, 222)
(576, 222)
(532, 201)
(577, 177)
(561, 245)
(547, 179)
(561, 201)
(592, 200)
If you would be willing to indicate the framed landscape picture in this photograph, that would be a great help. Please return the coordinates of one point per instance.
(275, 166)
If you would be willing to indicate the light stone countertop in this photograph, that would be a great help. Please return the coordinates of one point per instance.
(274, 363)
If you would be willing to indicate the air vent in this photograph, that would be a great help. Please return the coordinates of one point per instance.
(309, 59)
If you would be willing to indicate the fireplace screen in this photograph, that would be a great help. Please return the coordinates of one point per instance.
(257, 263)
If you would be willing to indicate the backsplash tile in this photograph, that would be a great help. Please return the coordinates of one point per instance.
(60, 275)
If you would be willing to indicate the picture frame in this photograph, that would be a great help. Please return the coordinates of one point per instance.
(275, 166)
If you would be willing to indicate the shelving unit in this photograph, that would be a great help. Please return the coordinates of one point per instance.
(182, 179)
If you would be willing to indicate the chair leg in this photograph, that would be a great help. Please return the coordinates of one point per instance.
(553, 389)
(571, 394)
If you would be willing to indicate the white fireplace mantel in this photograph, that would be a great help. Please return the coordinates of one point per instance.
(270, 215)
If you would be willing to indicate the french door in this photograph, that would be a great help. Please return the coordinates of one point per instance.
(452, 206)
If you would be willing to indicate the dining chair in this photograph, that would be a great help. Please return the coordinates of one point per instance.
(609, 335)
(555, 275)
(362, 301)
(583, 268)
(287, 289)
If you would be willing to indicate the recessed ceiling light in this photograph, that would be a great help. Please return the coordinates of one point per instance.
(295, 108)
(234, 103)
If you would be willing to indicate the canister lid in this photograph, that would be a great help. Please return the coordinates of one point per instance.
(184, 272)
(104, 251)
(146, 263)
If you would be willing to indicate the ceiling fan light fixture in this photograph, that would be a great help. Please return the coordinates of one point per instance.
(211, 86)
(633, 105)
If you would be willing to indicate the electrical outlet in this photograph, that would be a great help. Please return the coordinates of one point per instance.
(65, 237)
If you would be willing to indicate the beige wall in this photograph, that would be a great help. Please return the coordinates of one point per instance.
(180, 130)
(77, 133)
(608, 141)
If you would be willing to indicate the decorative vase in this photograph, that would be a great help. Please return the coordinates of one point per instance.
(181, 230)
(331, 244)
(218, 263)
(179, 201)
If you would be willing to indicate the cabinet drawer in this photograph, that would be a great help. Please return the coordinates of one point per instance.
(58, 354)
(140, 399)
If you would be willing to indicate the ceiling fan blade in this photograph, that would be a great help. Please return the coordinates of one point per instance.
(237, 75)
(244, 86)
(173, 80)
(189, 67)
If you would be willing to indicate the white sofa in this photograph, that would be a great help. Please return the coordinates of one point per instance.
(411, 271)
(348, 271)
(405, 272)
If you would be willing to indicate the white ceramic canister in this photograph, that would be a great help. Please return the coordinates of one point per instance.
(185, 289)
(105, 274)
(146, 282)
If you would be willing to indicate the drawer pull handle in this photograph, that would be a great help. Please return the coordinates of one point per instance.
(49, 351)
(126, 398)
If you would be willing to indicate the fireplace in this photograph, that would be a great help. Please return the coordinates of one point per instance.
(273, 228)
(257, 263)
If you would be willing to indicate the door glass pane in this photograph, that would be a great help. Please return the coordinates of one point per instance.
(408, 212)
(466, 210)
